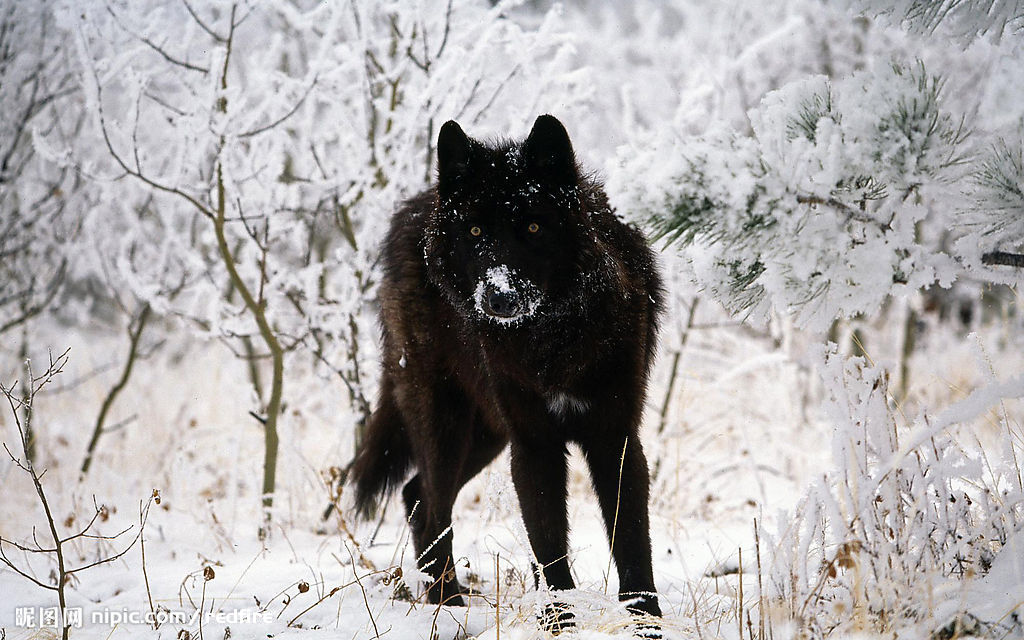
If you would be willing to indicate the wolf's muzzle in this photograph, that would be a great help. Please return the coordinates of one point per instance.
(501, 303)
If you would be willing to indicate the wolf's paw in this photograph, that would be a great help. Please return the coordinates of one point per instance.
(556, 618)
(447, 591)
(647, 629)
(642, 604)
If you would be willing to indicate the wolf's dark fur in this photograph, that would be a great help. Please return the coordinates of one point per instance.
(516, 309)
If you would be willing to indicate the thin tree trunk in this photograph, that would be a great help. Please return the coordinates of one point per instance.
(909, 342)
(258, 311)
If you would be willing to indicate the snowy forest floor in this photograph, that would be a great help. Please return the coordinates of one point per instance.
(742, 437)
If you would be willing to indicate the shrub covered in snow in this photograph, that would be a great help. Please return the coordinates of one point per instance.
(816, 212)
(916, 528)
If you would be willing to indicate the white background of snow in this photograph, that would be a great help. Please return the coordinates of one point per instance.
(744, 434)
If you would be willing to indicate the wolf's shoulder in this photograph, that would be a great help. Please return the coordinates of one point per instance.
(402, 246)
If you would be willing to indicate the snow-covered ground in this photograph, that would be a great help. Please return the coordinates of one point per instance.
(797, 492)
(743, 439)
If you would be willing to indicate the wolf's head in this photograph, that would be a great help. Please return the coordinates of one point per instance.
(505, 237)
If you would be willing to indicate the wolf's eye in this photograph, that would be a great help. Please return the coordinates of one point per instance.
(475, 231)
(533, 227)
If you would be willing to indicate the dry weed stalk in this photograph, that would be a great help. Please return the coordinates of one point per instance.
(22, 412)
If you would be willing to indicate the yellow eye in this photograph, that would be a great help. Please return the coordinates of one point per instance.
(533, 227)
(475, 231)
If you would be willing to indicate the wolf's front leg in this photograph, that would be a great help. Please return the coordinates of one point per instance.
(430, 519)
(539, 475)
(618, 470)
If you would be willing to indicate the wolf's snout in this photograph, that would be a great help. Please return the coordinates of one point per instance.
(501, 303)
(505, 297)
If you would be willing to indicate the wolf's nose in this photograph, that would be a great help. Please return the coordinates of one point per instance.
(501, 303)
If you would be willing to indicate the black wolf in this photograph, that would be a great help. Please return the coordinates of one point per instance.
(516, 309)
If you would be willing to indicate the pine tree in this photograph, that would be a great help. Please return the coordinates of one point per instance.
(818, 211)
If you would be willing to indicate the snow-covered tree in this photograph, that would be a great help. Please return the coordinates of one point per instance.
(242, 160)
(35, 82)
(994, 214)
(818, 210)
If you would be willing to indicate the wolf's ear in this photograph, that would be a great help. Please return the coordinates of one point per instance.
(453, 151)
(548, 152)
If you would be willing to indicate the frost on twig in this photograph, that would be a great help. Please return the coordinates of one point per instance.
(965, 20)
(905, 512)
(815, 213)
(994, 217)
(21, 404)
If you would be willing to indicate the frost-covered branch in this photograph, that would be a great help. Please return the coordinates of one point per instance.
(815, 213)
(994, 215)
(34, 230)
(966, 20)
(906, 511)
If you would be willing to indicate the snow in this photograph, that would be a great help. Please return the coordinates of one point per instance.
(505, 280)
(789, 480)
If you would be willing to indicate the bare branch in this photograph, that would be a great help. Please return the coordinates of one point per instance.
(135, 329)
(20, 547)
(852, 213)
(202, 25)
(291, 112)
(169, 58)
(16, 569)
(447, 30)
(152, 45)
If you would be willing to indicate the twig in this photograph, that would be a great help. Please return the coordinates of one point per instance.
(739, 601)
(33, 387)
(208, 575)
(366, 602)
(497, 595)
(136, 173)
(290, 113)
(166, 56)
(852, 213)
(143, 516)
(663, 414)
(30, 311)
(202, 25)
(327, 595)
(760, 586)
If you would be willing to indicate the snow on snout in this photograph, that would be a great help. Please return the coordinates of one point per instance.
(503, 279)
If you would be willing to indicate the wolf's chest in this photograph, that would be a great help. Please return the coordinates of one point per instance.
(562, 405)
